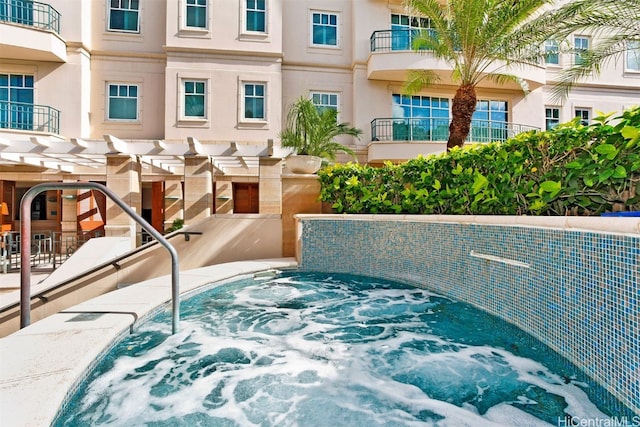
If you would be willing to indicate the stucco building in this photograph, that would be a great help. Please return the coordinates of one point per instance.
(177, 104)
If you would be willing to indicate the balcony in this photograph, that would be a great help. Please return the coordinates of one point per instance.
(399, 139)
(392, 56)
(30, 30)
(29, 117)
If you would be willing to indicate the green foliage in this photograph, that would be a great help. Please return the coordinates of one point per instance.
(177, 224)
(571, 170)
(311, 131)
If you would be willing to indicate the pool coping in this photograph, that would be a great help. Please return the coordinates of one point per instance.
(42, 362)
(614, 225)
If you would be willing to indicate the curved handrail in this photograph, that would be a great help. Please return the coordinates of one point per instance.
(25, 238)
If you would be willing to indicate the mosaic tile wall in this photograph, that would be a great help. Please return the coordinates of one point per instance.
(578, 292)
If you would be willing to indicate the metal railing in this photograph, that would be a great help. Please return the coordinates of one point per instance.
(390, 40)
(31, 13)
(25, 239)
(437, 129)
(25, 116)
(49, 249)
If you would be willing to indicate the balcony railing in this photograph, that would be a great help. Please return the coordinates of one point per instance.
(437, 129)
(31, 13)
(24, 116)
(388, 40)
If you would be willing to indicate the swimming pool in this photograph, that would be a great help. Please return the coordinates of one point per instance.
(315, 350)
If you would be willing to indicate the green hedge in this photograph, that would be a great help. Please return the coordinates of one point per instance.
(571, 170)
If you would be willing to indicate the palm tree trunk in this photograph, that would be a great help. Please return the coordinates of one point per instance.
(464, 104)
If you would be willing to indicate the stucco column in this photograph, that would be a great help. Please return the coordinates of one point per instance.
(198, 188)
(270, 186)
(124, 179)
(68, 218)
(224, 195)
(301, 194)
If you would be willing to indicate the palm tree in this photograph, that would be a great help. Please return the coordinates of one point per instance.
(616, 22)
(311, 131)
(480, 39)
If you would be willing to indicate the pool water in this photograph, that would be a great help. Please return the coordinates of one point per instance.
(303, 349)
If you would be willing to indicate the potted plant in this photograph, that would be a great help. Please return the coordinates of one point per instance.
(310, 131)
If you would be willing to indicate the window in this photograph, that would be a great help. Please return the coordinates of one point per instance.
(584, 115)
(424, 118)
(16, 101)
(489, 121)
(254, 101)
(123, 102)
(581, 45)
(123, 15)
(633, 56)
(20, 11)
(196, 14)
(256, 11)
(551, 52)
(404, 28)
(194, 98)
(324, 101)
(552, 117)
(324, 29)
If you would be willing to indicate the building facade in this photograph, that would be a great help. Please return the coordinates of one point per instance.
(177, 104)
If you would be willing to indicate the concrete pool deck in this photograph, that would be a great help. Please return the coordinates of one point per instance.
(41, 363)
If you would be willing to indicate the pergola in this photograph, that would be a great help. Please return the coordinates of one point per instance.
(88, 156)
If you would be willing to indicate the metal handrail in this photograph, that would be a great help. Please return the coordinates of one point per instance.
(25, 238)
(26, 116)
(397, 39)
(437, 129)
(33, 14)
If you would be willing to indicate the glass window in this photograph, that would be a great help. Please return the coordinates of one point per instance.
(123, 15)
(633, 56)
(489, 121)
(16, 101)
(19, 11)
(495, 111)
(324, 29)
(196, 13)
(123, 102)
(552, 117)
(551, 52)
(256, 15)
(324, 101)
(424, 118)
(584, 115)
(194, 98)
(581, 44)
(254, 101)
(404, 28)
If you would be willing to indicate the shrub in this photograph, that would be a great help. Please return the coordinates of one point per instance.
(571, 170)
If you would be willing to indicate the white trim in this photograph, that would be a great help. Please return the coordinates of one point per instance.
(116, 30)
(107, 98)
(197, 32)
(253, 35)
(338, 16)
(241, 102)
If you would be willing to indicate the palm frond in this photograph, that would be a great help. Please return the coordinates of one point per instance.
(311, 131)
(419, 79)
(590, 63)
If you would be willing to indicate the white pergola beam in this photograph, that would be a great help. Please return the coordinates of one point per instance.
(195, 147)
(40, 142)
(79, 142)
(116, 145)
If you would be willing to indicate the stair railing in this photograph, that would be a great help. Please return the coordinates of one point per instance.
(25, 239)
